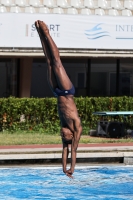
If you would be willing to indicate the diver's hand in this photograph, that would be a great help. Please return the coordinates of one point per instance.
(69, 173)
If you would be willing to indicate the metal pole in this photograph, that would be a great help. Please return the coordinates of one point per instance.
(117, 76)
(88, 79)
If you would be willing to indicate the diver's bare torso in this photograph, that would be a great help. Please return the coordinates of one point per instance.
(67, 111)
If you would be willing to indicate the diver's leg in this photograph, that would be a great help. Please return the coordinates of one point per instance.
(50, 73)
(62, 78)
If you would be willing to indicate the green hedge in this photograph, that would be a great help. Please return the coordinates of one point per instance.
(41, 113)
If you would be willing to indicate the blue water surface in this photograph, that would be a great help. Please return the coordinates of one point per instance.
(89, 183)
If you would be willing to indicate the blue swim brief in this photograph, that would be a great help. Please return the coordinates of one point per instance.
(58, 92)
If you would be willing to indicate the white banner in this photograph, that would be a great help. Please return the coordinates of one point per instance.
(68, 31)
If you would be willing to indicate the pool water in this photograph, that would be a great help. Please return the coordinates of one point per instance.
(89, 183)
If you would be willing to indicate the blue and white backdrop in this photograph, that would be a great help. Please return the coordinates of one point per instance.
(79, 32)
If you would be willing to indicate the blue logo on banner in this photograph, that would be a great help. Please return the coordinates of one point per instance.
(96, 32)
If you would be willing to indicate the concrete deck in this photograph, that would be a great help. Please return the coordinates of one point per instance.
(87, 153)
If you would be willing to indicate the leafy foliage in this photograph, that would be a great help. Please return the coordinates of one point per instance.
(41, 115)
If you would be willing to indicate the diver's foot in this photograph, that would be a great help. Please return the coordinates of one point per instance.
(42, 31)
(37, 28)
(41, 34)
(42, 27)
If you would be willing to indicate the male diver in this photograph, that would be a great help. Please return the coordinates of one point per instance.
(64, 90)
